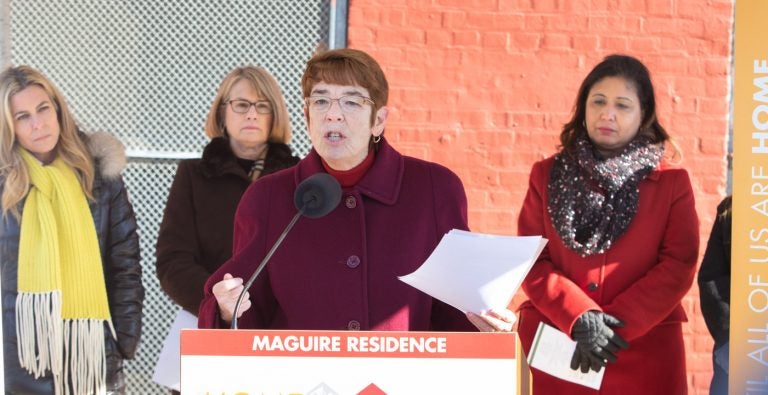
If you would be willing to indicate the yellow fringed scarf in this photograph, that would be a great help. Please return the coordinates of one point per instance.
(62, 297)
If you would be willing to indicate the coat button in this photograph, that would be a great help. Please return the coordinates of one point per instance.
(353, 261)
(353, 325)
(592, 287)
(350, 202)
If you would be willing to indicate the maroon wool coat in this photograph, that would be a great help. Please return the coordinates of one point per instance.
(641, 280)
(339, 272)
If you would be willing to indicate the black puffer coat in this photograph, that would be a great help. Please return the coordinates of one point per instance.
(119, 243)
(715, 276)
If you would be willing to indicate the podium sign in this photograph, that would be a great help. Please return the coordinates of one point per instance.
(256, 362)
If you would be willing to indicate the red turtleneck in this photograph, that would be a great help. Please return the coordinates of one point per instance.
(348, 178)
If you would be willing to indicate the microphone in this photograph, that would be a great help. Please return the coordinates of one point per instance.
(315, 197)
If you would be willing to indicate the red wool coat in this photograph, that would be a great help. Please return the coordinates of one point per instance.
(340, 271)
(641, 280)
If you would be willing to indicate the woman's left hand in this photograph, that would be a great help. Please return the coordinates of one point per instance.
(493, 321)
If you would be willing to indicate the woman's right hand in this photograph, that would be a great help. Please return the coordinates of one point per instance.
(226, 292)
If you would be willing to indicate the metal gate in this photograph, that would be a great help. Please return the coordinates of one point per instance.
(147, 71)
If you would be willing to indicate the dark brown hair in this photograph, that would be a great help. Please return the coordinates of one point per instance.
(633, 71)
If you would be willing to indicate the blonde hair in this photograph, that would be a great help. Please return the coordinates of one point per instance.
(266, 86)
(70, 147)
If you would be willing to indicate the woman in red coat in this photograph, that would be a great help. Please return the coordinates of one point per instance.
(340, 272)
(623, 240)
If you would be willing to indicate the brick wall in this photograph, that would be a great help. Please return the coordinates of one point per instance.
(484, 86)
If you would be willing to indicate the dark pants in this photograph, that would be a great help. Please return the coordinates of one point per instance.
(719, 385)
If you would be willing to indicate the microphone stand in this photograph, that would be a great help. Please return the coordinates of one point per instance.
(314, 197)
(264, 262)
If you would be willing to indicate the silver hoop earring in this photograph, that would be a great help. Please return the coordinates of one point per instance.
(376, 139)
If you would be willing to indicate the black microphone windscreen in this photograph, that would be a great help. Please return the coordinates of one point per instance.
(318, 194)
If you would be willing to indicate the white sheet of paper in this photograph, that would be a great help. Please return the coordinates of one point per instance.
(551, 353)
(168, 368)
(476, 272)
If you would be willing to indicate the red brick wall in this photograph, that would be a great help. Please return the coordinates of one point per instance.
(484, 86)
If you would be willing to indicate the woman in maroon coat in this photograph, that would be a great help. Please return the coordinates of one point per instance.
(623, 240)
(339, 272)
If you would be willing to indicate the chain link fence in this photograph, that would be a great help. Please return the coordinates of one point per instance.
(147, 71)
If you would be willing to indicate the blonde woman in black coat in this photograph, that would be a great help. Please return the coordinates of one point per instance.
(67, 241)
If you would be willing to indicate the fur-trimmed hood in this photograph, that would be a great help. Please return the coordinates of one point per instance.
(108, 153)
(218, 159)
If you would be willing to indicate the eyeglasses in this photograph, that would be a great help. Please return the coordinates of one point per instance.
(348, 104)
(243, 106)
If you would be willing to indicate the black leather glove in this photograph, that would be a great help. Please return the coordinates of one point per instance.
(596, 342)
(581, 361)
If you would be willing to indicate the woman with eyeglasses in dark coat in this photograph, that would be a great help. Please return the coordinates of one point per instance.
(249, 128)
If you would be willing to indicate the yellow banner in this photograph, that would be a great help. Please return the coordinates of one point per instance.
(749, 257)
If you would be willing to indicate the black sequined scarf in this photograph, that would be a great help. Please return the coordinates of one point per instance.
(593, 200)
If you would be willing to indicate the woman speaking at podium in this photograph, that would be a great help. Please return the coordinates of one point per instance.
(339, 272)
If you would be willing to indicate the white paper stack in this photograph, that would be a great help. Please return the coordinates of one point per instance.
(476, 272)
(168, 368)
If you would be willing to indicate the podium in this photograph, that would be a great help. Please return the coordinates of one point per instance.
(266, 362)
